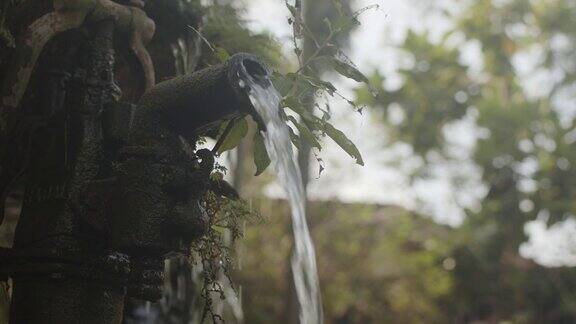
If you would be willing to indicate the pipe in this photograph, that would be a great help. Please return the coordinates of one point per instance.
(158, 209)
(192, 104)
(67, 270)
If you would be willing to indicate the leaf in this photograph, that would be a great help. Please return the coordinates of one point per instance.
(221, 54)
(293, 104)
(343, 141)
(296, 12)
(312, 121)
(325, 112)
(305, 133)
(284, 83)
(292, 9)
(344, 24)
(347, 70)
(261, 158)
(6, 37)
(346, 144)
(327, 23)
(320, 84)
(294, 138)
(234, 136)
(321, 167)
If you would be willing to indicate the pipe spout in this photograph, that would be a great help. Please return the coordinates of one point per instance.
(192, 104)
(158, 210)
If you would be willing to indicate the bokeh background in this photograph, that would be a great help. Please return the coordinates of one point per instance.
(464, 211)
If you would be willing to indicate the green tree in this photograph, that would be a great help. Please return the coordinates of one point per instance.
(519, 132)
(377, 264)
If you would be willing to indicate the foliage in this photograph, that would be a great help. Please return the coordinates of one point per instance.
(261, 158)
(425, 106)
(5, 36)
(7, 40)
(522, 146)
(390, 266)
(225, 33)
(213, 251)
(377, 264)
(300, 88)
(232, 132)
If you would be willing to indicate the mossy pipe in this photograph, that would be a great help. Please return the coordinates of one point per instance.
(153, 164)
(157, 209)
(191, 104)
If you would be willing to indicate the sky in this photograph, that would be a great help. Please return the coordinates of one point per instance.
(383, 179)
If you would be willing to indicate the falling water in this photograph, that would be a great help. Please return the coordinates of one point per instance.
(266, 100)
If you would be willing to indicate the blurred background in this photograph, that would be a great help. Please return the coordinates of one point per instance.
(465, 208)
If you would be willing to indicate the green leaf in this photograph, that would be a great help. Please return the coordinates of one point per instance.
(261, 158)
(234, 136)
(320, 84)
(315, 123)
(221, 54)
(292, 10)
(296, 12)
(328, 23)
(343, 141)
(6, 37)
(347, 70)
(312, 121)
(344, 24)
(284, 83)
(305, 133)
(293, 104)
(294, 138)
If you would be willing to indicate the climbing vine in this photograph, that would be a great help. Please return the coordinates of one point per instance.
(214, 251)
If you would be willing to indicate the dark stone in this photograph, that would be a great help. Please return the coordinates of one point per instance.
(112, 188)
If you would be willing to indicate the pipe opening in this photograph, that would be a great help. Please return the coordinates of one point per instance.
(258, 72)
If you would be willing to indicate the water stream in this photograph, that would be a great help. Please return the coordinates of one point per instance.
(266, 101)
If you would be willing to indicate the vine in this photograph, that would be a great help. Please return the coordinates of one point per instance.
(216, 254)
